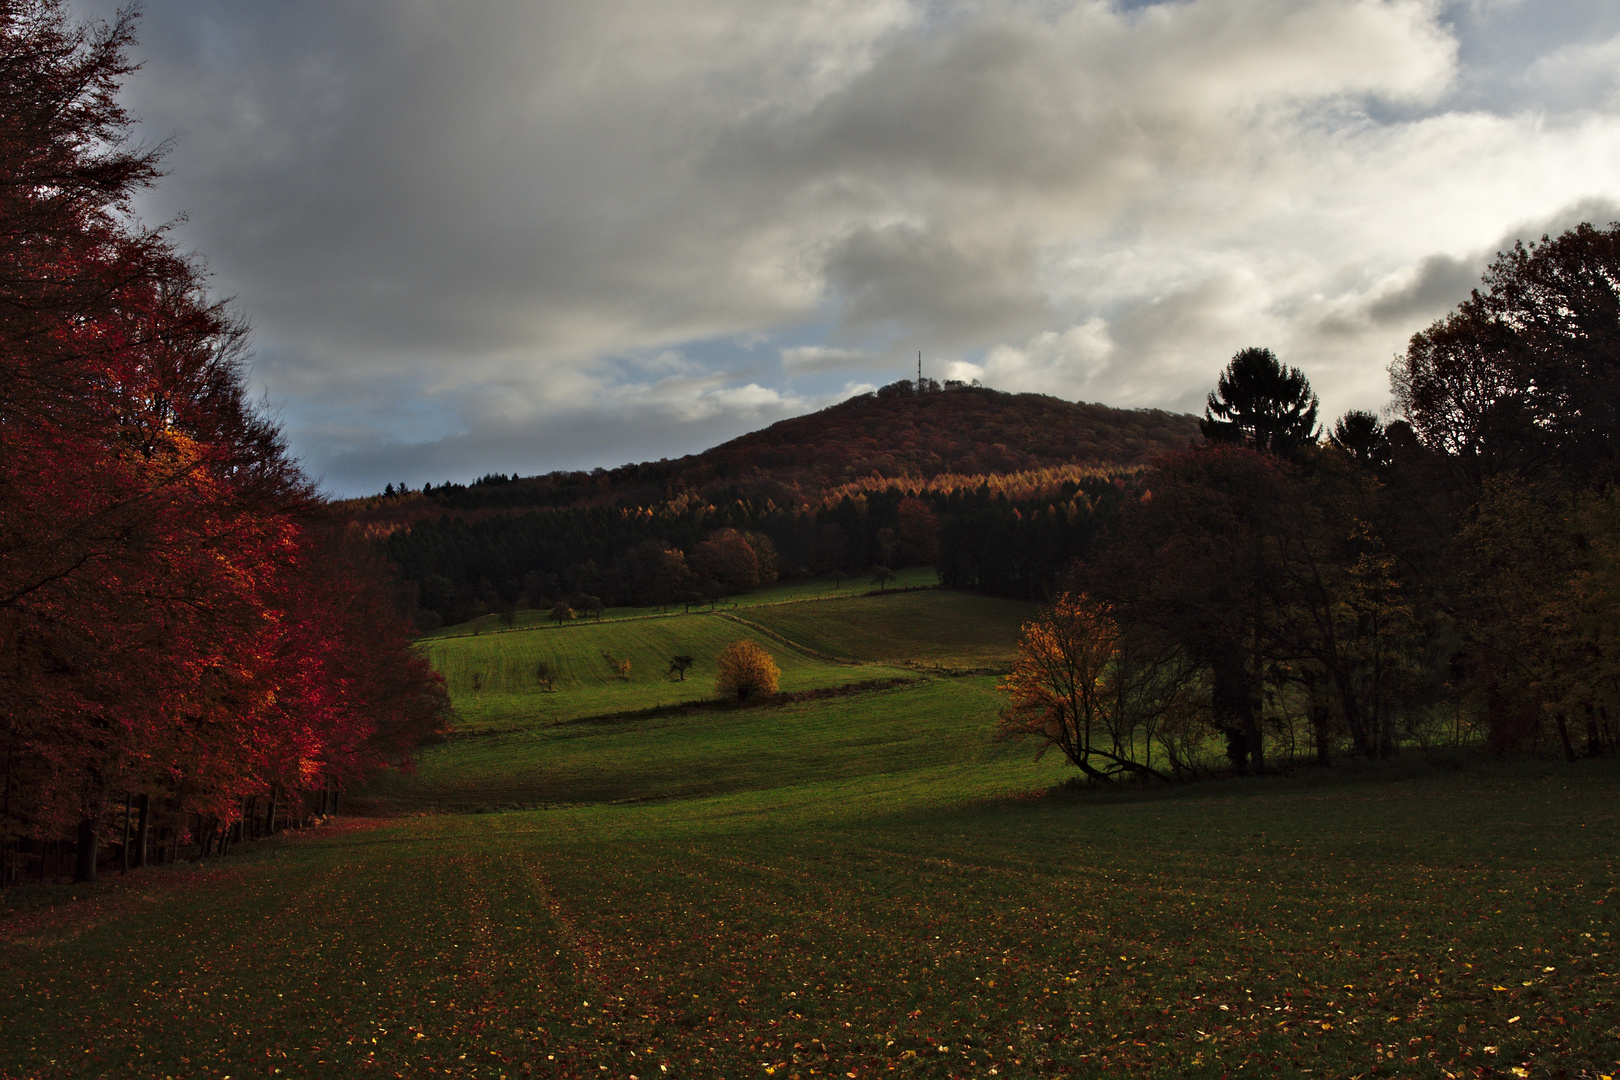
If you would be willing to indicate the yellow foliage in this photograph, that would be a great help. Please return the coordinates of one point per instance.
(746, 671)
(1057, 685)
(1076, 687)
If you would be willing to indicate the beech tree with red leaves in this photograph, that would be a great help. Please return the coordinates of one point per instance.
(175, 623)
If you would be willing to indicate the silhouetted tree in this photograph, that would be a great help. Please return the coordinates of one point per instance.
(1526, 374)
(1361, 435)
(1262, 402)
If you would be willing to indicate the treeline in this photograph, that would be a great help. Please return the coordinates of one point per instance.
(1452, 576)
(1010, 535)
(189, 645)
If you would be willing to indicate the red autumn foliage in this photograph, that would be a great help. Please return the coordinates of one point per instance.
(175, 621)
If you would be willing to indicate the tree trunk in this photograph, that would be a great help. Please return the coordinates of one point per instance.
(1563, 735)
(1232, 708)
(84, 864)
(1319, 735)
(1256, 739)
(143, 823)
(123, 849)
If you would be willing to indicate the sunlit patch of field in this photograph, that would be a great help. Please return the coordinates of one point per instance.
(935, 734)
(493, 679)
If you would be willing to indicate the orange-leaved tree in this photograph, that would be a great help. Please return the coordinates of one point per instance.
(746, 671)
(1076, 686)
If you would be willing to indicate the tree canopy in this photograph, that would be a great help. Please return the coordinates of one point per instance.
(179, 619)
(1260, 401)
(1525, 375)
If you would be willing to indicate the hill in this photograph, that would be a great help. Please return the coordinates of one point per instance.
(1002, 492)
(895, 433)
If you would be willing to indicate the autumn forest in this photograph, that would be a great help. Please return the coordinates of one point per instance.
(194, 646)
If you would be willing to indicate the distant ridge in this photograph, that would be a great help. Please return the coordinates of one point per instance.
(971, 430)
(894, 433)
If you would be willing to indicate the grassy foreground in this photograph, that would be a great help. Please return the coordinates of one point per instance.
(854, 886)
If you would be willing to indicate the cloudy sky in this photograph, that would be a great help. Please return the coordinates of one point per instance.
(522, 236)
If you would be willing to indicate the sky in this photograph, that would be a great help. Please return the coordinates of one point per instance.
(526, 236)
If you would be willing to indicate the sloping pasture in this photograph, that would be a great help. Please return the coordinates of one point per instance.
(932, 627)
(1419, 926)
(784, 592)
(870, 737)
(861, 885)
(493, 680)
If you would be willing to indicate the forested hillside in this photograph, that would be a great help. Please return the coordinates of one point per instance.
(1000, 490)
(969, 430)
(893, 434)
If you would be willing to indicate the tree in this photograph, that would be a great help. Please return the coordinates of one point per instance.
(1520, 568)
(728, 559)
(679, 665)
(1525, 376)
(657, 572)
(888, 544)
(546, 675)
(1261, 402)
(179, 625)
(1068, 688)
(1196, 562)
(918, 529)
(746, 672)
(1465, 392)
(830, 548)
(561, 612)
(1558, 302)
(1361, 435)
(882, 576)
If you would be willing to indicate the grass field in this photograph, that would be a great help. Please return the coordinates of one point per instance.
(492, 676)
(862, 885)
(932, 627)
(787, 592)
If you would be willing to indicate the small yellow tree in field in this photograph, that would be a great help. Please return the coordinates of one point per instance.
(746, 671)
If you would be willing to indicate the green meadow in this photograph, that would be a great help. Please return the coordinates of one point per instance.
(619, 878)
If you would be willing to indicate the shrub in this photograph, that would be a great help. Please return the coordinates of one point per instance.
(746, 671)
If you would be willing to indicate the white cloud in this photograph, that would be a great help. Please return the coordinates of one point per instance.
(542, 232)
